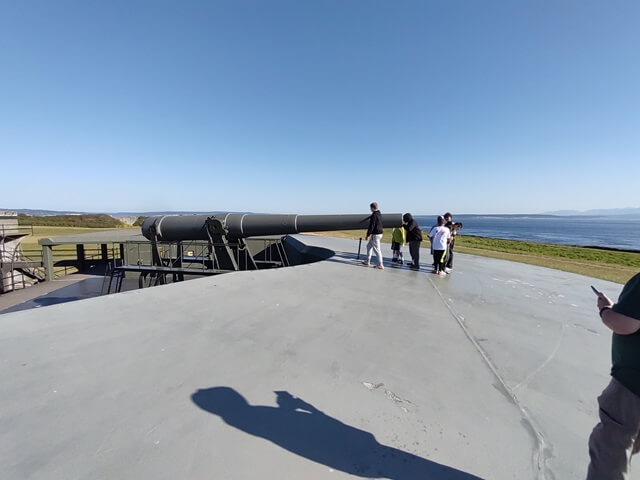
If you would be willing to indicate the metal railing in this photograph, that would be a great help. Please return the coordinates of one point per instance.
(65, 257)
(16, 269)
(175, 260)
(200, 255)
(9, 231)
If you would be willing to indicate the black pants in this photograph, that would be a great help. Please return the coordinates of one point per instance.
(450, 256)
(414, 250)
(439, 259)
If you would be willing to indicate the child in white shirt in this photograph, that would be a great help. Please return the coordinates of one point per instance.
(440, 237)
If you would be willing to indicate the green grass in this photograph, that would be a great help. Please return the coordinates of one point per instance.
(41, 232)
(604, 264)
(91, 220)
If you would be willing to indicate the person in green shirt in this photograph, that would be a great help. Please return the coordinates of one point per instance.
(617, 437)
(398, 239)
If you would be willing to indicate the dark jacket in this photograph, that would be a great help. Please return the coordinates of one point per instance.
(450, 225)
(375, 223)
(414, 234)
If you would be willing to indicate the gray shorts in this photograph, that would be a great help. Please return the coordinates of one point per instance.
(617, 437)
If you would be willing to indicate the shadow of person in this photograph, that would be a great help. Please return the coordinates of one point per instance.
(300, 428)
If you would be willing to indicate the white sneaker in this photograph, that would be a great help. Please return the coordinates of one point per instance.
(447, 270)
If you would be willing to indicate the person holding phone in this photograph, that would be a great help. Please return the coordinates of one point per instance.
(617, 437)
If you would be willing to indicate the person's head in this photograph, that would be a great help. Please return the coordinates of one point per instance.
(448, 217)
(223, 401)
(440, 221)
(406, 218)
(373, 206)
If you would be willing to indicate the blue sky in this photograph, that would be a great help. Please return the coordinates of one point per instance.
(308, 107)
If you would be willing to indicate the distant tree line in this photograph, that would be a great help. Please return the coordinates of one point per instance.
(99, 220)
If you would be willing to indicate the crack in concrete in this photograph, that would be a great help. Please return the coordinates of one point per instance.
(540, 367)
(400, 402)
(542, 449)
(373, 386)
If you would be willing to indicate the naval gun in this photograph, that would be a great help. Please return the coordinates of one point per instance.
(242, 225)
(227, 235)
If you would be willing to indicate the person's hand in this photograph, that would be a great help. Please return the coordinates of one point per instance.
(367, 237)
(604, 301)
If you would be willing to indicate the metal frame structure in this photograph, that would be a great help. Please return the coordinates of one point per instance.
(158, 262)
(16, 270)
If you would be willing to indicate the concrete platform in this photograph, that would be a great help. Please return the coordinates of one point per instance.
(326, 370)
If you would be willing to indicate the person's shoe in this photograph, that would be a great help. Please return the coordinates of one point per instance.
(441, 274)
(380, 267)
(366, 264)
(447, 270)
(400, 262)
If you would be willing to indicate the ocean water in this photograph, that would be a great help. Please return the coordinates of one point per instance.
(602, 231)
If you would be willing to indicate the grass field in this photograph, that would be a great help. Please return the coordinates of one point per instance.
(604, 264)
(41, 232)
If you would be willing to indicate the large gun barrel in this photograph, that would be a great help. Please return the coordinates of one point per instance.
(173, 228)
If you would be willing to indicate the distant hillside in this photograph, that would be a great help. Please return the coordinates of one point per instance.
(135, 215)
(598, 212)
(28, 211)
(99, 220)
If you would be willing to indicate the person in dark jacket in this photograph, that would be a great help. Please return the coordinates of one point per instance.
(617, 437)
(414, 237)
(453, 228)
(374, 235)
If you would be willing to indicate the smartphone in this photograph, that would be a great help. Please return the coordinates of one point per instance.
(595, 290)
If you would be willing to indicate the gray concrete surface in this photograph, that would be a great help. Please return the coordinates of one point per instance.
(326, 370)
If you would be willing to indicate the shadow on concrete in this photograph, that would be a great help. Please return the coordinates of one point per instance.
(300, 428)
(349, 258)
(78, 290)
(48, 300)
(299, 253)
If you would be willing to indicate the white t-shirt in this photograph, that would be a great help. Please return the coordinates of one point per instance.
(440, 235)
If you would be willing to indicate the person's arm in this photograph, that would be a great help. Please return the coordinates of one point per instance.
(617, 322)
(369, 228)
